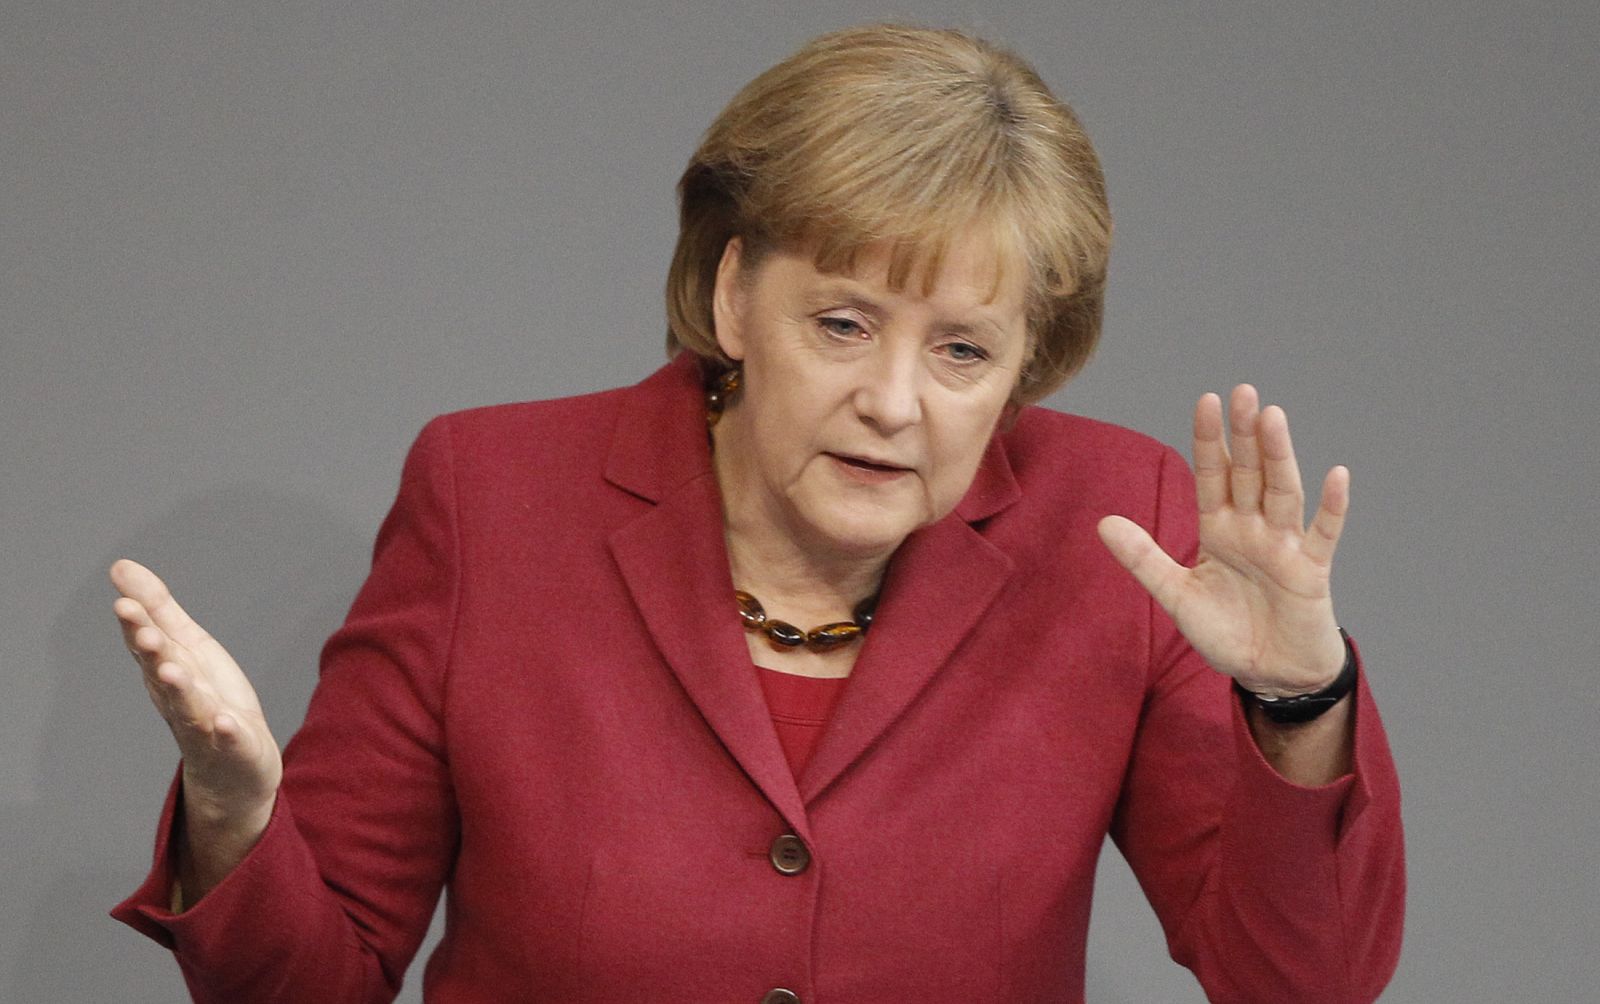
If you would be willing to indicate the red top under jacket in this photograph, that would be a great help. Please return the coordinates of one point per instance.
(800, 707)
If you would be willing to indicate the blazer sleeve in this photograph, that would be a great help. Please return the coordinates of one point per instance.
(335, 898)
(1267, 890)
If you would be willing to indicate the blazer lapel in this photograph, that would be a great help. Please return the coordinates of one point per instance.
(674, 561)
(940, 582)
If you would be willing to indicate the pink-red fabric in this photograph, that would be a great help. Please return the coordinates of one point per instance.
(800, 707)
(540, 703)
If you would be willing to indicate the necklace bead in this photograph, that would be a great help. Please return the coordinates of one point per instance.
(785, 636)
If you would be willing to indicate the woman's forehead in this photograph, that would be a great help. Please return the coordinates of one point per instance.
(974, 264)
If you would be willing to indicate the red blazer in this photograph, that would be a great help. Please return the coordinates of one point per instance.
(542, 702)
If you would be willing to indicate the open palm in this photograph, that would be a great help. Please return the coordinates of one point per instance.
(231, 763)
(1256, 605)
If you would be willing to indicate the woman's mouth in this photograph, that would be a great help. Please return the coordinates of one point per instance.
(868, 471)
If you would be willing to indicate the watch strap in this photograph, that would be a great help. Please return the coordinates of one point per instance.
(1305, 707)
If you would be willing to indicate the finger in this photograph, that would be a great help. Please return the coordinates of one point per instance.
(1210, 455)
(189, 706)
(172, 674)
(1283, 498)
(229, 734)
(148, 667)
(137, 582)
(1323, 536)
(1245, 472)
(150, 645)
(130, 618)
(168, 675)
(210, 728)
(1138, 552)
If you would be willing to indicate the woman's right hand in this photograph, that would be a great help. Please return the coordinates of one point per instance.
(231, 763)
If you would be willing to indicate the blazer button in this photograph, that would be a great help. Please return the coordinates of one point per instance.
(780, 996)
(790, 857)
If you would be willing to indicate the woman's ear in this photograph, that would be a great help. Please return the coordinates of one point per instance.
(727, 299)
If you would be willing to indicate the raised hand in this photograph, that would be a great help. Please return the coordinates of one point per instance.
(231, 763)
(1256, 605)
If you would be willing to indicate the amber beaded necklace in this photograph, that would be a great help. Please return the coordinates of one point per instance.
(783, 635)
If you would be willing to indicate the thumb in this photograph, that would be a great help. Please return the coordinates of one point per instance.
(1137, 551)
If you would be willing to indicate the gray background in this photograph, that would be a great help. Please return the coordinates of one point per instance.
(246, 252)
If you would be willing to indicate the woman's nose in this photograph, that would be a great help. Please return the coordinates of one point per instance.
(890, 395)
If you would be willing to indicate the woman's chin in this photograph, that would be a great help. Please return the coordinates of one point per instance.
(869, 534)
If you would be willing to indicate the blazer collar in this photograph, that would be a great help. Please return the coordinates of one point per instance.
(674, 560)
(660, 441)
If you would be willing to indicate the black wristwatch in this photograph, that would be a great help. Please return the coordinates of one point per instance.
(1304, 707)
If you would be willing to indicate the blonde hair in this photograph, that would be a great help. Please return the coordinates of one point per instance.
(910, 136)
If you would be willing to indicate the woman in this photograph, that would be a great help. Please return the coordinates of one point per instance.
(544, 698)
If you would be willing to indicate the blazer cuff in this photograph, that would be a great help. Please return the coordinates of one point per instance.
(1312, 816)
(231, 910)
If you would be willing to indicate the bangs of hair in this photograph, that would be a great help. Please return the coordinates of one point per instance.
(889, 143)
(914, 139)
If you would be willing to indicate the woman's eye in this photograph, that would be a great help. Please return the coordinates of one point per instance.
(965, 352)
(842, 326)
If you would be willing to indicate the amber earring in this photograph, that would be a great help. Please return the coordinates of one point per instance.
(720, 394)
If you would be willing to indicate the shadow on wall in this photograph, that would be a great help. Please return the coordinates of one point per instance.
(270, 575)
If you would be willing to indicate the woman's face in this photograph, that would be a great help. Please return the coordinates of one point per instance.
(864, 411)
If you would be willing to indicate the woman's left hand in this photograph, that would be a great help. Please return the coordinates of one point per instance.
(1256, 604)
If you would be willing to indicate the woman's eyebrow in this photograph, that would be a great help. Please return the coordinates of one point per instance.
(842, 292)
(982, 328)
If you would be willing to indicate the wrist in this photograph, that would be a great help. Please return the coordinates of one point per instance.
(1289, 709)
(231, 807)
(1310, 753)
(223, 828)
(210, 843)
(224, 832)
